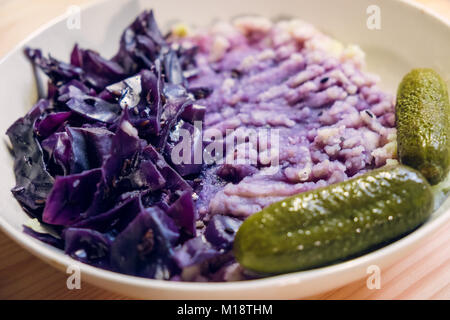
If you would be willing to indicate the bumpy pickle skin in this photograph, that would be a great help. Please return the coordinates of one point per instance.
(322, 226)
(423, 124)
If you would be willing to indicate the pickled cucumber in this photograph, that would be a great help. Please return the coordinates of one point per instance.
(423, 124)
(323, 226)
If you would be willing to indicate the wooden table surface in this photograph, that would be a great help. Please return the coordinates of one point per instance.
(425, 274)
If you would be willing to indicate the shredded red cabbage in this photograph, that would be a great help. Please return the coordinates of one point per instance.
(91, 157)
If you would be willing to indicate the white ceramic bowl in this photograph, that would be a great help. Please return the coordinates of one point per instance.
(410, 36)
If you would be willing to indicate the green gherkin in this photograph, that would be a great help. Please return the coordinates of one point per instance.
(423, 124)
(342, 220)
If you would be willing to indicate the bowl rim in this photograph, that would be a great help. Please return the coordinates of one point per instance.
(59, 259)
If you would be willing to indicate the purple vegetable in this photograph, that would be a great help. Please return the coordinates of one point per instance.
(68, 90)
(125, 145)
(174, 180)
(92, 108)
(97, 71)
(70, 197)
(52, 90)
(78, 161)
(57, 71)
(147, 175)
(172, 113)
(97, 144)
(33, 181)
(206, 249)
(152, 87)
(193, 142)
(193, 252)
(201, 92)
(173, 69)
(140, 44)
(184, 213)
(221, 231)
(142, 94)
(114, 220)
(51, 123)
(88, 246)
(58, 149)
(44, 237)
(94, 158)
(146, 245)
(235, 172)
(193, 113)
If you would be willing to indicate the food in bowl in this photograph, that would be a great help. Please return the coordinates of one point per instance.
(148, 163)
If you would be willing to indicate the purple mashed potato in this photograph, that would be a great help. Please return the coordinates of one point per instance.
(333, 120)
